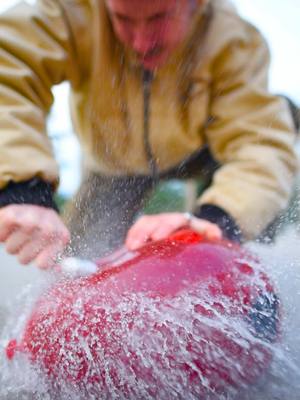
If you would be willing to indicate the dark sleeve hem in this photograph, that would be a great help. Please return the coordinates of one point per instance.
(220, 217)
(34, 191)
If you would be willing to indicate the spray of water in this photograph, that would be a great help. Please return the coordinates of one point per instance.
(138, 360)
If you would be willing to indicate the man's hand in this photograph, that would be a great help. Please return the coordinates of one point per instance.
(157, 227)
(33, 233)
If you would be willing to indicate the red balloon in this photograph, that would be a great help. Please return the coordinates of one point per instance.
(179, 318)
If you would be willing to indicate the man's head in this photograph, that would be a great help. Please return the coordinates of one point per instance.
(151, 28)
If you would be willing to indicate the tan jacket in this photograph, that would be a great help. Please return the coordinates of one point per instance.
(212, 91)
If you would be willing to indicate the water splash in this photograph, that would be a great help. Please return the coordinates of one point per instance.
(176, 321)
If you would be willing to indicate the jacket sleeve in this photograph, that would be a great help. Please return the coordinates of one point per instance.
(36, 52)
(251, 135)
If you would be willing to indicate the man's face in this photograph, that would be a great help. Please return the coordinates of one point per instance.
(151, 28)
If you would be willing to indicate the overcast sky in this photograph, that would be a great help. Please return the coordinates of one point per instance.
(279, 21)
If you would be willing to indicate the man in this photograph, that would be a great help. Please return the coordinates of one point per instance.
(160, 89)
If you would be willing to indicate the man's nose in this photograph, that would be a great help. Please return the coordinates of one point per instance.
(143, 40)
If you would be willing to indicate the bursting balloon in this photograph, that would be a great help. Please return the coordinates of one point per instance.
(183, 317)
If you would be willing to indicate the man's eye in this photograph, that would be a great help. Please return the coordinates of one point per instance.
(123, 19)
(157, 17)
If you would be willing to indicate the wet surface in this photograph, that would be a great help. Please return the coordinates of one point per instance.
(281, 382)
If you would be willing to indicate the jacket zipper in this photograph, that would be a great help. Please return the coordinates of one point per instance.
(147, 82)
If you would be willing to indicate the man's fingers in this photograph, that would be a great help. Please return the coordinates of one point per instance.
(208, 229)
(140, 232)
(16, 241)
(30, 251)
(33, 233)
(165, 230)
(6, 231)
(36, 251)
(214, 233)
(13, 218)
(160, 226)
(48, 257)
(153, 227)
(8, 224)
(36, 235)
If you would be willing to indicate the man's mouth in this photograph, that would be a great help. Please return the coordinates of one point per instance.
(150, 55)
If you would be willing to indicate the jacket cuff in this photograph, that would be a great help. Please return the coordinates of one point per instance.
(220, 217)
(34, 191)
